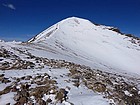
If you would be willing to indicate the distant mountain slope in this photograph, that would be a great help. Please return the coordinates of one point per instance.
(97, 46)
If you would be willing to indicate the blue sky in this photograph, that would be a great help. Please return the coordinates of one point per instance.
(23, 19)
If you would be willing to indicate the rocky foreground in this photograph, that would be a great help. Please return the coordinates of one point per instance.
(31, 89)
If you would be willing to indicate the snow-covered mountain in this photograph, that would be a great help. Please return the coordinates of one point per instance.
(74, 62)
(97, 46)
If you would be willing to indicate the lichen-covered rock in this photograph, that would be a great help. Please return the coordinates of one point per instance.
(40, 102)
(99, 87)
(59, 96)
(22, 100)
(6, 90)
(17, 97)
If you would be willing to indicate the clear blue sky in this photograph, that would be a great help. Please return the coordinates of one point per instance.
(23, 19)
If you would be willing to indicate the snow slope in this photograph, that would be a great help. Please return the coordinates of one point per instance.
(83, 42)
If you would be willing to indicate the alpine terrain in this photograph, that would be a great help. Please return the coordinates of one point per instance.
(74, 62)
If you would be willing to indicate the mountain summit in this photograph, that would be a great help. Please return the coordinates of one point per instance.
(98, 46)
(71, 22)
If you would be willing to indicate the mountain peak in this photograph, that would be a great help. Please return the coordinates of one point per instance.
(68, 25)
(74, 19)
(71, 22)
(77, 26)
